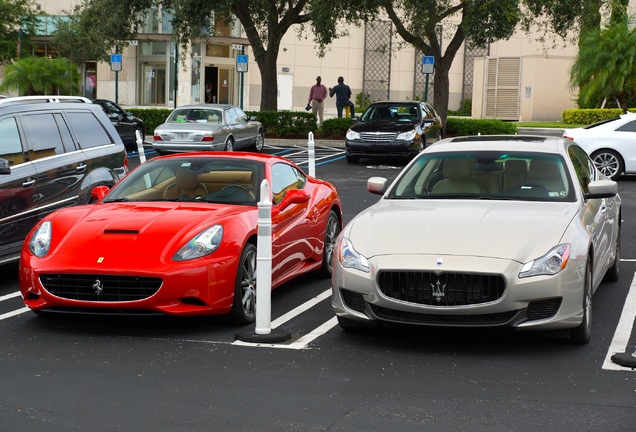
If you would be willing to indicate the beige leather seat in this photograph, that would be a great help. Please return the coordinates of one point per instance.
(186, 183)
(457, 179)
(515, 174)
(546, 173)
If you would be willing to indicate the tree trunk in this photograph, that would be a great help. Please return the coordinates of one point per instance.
(269, 80)
(441, 87)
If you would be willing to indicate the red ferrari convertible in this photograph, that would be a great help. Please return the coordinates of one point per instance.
(178, 236)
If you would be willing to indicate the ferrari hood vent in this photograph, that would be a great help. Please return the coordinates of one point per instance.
(121, 231)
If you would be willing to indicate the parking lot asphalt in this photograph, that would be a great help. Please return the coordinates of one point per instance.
(167, 374)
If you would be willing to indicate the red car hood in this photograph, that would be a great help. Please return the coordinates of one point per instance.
(135, 228)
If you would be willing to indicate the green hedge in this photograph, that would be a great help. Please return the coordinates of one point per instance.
(152, 117)
(335, 127)
(463, 127)
(281, 123)
(589, 116)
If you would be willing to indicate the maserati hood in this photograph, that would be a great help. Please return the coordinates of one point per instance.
(146, 229)
(495, 229)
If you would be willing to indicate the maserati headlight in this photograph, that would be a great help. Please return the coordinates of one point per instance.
(351, 258)
(203, 244)
(353, 135)
(40, 242)
(407, 136)
(549, 264)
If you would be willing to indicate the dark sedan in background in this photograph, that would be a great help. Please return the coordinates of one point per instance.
(393, 129)
(126, 124)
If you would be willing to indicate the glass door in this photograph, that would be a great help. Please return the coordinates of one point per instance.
(225, 85)
(154, 84)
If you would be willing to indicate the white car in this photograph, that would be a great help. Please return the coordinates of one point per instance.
(486, 231)
(610, 143)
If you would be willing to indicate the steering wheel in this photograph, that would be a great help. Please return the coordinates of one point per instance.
(230, 190)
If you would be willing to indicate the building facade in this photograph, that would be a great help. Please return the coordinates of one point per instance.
(517, 79)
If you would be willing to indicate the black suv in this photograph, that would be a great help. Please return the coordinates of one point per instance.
(393, 129)
(126, 124)
(54, 150)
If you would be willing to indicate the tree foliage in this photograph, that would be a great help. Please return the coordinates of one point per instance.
(19, 22)
(42, 76)
(599, 72)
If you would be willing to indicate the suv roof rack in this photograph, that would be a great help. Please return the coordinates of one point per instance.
(43, 99)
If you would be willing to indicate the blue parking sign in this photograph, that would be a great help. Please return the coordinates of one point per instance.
(428, 64)
(241, 63)
(115, 62)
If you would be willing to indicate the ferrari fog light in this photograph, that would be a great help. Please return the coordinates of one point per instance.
(203, 244)
(549, 264)
(40, 242)
(351, 258)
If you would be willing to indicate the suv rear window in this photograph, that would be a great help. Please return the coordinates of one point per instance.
(88, 130)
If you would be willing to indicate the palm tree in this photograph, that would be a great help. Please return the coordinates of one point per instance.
(604, 67)
(42, 76)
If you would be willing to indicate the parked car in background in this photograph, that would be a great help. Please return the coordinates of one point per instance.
(207, 127)
(508, 231)
(54, 151)
(127, 125)
(393, 129)
(610, 143)
(178, 236)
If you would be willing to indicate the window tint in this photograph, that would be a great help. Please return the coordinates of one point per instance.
(111, 108)
(628, 127)
(10, 144)
(583, 166)
(284, 178)
(88, 130)
(43, 136)
(65, 133)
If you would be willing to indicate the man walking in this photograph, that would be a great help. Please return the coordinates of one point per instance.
(317, 95)
(343, 96)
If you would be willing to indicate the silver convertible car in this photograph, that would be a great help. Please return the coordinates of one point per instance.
(485, 231)
(206, 127)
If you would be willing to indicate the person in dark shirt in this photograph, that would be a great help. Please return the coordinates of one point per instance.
(343, 96)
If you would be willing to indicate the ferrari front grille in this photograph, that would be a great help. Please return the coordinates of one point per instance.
(444, 289)
(99, 287)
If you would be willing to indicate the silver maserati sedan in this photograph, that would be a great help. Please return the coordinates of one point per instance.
(483, 231)
(206, 127)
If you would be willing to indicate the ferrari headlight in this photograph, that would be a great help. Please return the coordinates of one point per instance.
(40, 242)
(351, 258)
(203, 244)
(352, 135)
(407, 136)
(549, 264)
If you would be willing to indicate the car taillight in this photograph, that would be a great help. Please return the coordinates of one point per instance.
(157, 138)
(208, 137)
(567, 137)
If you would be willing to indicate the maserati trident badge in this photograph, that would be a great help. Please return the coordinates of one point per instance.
(438, 290)
(98, 287)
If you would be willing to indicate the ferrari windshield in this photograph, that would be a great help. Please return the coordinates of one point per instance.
(486, 175)
(218, 180)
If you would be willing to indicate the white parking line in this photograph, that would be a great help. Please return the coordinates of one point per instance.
(14, 313)
(623, 330)
(303, 341)
(10, 296)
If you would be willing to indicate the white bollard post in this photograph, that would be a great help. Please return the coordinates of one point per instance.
(312, 155)
(264, 263)
(140, 147)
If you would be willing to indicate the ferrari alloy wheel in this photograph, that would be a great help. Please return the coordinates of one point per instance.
(609, 163)
(259, 142)
(229, 144)
(332, 229)
(583, 333)
(244, 307)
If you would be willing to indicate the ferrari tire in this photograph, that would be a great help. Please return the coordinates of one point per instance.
(332, 229)
(609, 163)
(583, 332)
(244, 306)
